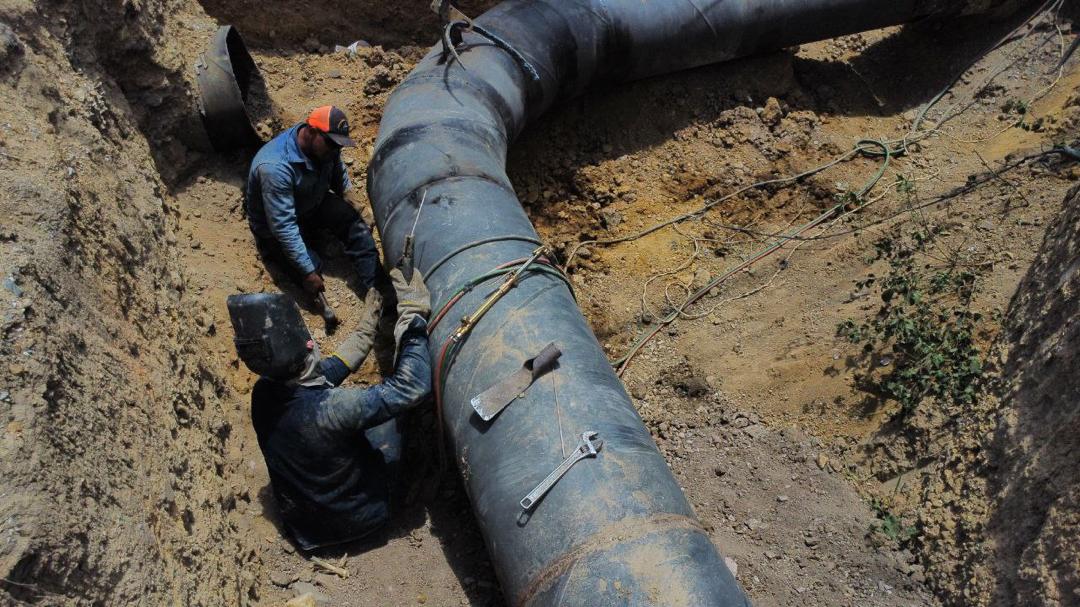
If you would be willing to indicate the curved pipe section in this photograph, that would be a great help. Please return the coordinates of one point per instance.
(616, 529)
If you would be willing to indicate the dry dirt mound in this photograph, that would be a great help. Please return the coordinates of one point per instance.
(113, 437)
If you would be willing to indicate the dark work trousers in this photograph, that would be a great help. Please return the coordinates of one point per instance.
(337, 216)
(387, 438)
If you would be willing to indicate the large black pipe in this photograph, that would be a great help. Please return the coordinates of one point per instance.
(616, 530)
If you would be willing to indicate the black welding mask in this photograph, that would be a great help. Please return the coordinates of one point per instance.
(270, 335)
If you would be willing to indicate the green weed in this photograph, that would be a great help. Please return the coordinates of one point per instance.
(924, 329)
(890, 525)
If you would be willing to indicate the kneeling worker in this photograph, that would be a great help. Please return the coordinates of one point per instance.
(332, 452)
(298, 183)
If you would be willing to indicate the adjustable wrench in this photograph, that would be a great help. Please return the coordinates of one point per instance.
(588, 448)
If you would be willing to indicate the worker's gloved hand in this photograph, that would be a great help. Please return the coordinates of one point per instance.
(413, 300)
(356, 346)
(313, 283)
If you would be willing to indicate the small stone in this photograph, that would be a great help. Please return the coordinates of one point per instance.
(823, 461)
(755, 431)
(916, 573)
(282, 578)
(782, 498)
(611, 218)
(732, 566)
(307, 588)
(10, 45)
(811, 541)
(694, 386)
(10, 285)
(772, 556)
(772, 112)
(325, 579)
(304, 600)
(741, 422)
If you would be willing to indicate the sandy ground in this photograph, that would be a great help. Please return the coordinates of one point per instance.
(131, 472)
(754, 404)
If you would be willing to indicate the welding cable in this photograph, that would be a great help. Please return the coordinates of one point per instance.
(866, 146)
(542, 265)
(451, 346)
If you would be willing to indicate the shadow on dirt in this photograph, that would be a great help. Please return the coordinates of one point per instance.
(897, 73)
(1035, 479)
(276, 23)
(427, 493)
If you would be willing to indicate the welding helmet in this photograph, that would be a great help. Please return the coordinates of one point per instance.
(270, 335)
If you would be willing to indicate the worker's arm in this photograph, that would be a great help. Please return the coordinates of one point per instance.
(351, 353)
(280, 207)
(358, 409)
(334, 370)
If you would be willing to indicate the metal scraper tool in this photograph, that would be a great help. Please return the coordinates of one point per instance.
(490, 402)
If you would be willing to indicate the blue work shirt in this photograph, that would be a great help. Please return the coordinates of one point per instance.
(283, 185)
(331, 482)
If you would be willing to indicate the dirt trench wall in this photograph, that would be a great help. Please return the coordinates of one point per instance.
(112, 433)
(1001, 522)
(1035, 518)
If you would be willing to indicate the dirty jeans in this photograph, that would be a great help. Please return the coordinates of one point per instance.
(338, 217)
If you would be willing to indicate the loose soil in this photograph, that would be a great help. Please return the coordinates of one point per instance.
(134, 404)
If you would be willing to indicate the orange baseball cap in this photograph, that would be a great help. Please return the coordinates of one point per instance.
(331, 120)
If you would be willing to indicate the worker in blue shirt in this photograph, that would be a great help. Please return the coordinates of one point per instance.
(333, 453)
(297, 184)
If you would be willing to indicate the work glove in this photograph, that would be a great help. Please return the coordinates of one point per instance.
(413, 301)
(356, 346)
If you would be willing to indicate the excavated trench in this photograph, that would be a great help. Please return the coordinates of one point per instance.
(129, 474)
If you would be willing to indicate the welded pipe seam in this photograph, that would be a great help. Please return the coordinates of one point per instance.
(416, 194)
(602, 539)
(477, 243)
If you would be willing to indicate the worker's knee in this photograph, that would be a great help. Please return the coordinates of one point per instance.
(358, 237)
(337, 214)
